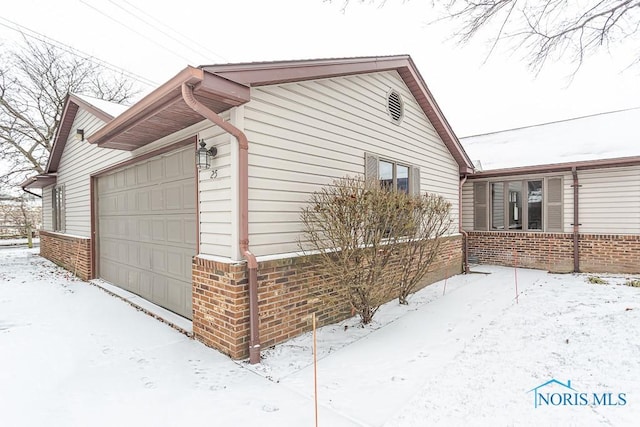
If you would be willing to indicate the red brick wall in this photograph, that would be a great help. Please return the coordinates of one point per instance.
(72, 253)
(289, 291)
(554, 251)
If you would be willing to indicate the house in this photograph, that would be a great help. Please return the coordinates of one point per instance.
(561, 196)
(124, 202)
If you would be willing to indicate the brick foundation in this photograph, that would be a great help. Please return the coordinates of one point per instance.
(71, 253)
(289, 291)
(554, 251)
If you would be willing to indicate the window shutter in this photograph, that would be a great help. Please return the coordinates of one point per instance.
(554, 205)
(370, 167)
(63, 209)
(54, 209)
(480, 206)
(415, 181)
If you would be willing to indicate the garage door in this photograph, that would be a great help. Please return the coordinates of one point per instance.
(147, 230)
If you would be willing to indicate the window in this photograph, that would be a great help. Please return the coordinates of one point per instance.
(518, 205)
(392, 174)
(58, 208)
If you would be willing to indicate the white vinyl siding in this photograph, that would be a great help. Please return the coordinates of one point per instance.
(80, 159)
(216, 213)
(304, 135)
(609, 200)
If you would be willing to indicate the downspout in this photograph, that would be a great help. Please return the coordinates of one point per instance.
(243, 183)
(465, 235)
(576, 224)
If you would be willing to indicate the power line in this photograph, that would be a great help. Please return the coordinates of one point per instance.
(24, 31)
(135, 31)
(204, 51)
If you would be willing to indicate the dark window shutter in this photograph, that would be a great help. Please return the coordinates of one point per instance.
(54, 209)
(554, 205)
(370, 167)
(480, 206)
(415, 181)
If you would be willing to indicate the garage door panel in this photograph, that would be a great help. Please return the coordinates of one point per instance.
(134, 255)
(175, 263)
(157, 199)
(175, 294)
(130, 177)
(132, 281)
(147, 229)
(158, 260)
(173, 199)
(144, 230)
(175, 230)
(142, 174)
(172, 167)
(159, 290)
(190, 232)
(189, 196)
(144, 201)
(146, 285)
(156, 172)
(158, 231)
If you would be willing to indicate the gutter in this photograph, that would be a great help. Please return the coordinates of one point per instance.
(576, 224)
(243, 182)
(465, 235)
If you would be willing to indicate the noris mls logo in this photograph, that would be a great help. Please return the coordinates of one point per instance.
(556, 393)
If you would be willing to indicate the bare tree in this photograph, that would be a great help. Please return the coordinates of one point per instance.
(35, 80)
(550, 29)
(544, 29)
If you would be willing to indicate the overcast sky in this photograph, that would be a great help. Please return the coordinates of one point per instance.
(156, 39)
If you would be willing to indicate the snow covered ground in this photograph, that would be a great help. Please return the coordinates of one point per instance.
(70, 354)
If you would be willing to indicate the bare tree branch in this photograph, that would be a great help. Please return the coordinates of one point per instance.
(544, 29)
(35, 80)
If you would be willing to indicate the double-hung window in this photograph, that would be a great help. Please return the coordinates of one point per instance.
(58, 208)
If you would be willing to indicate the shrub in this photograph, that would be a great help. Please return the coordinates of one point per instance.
(372, 242)
(635, 283)
(596, 280)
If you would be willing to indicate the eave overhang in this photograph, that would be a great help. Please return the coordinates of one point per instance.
(559, 167)
(71, 107)
(39, 181)
(164, 112)
(269, 73)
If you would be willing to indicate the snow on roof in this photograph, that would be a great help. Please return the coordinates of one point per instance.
(600, 136)
(111, 108)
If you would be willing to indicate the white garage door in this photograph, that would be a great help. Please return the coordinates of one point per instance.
(147, 229)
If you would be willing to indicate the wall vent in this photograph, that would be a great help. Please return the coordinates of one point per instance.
(395, 106)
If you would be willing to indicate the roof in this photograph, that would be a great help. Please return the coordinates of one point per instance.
(104, 110)
(111, 108)
(221, 87)
(597, 139)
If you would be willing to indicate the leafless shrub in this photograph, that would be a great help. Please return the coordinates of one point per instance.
(362, 231)
(427, 220)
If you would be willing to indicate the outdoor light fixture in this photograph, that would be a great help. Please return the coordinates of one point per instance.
(204, 155)
(80, 134)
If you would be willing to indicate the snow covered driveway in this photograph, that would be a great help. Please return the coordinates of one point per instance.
(70, 355)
